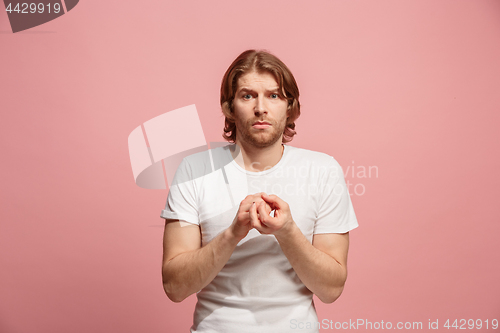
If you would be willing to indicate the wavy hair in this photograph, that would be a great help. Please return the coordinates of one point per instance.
(259, 61)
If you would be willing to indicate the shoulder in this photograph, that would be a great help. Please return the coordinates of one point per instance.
(208, 156)
(301, 155)
(204, 162)
(324, 166)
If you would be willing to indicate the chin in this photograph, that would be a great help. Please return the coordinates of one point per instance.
(260, 139)
(263, 142)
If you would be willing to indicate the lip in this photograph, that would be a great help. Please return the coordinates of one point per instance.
(261, 125)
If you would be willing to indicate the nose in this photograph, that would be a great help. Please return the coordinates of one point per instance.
(260, 107)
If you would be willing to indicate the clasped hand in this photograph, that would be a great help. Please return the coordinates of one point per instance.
(254, 212)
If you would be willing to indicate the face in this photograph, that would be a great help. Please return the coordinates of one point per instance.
(260, 110)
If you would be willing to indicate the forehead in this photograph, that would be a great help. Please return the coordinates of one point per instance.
(256, 79)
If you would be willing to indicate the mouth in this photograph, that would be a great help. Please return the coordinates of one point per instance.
(261, 125)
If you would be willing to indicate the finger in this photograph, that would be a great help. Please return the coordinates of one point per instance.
(264, 219)
(243, 218)
(273, 200)
(249, 199)
(264, 216)
(258, 195)
(247, 203)
(254, 219)
(258, 201)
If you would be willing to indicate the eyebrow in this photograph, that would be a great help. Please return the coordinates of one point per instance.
(245, 89)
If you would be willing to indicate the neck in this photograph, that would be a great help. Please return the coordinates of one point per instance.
(257, 159)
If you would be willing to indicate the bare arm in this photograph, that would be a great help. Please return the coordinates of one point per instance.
(187, 266)
(322, 265)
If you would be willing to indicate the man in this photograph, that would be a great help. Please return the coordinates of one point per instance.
(257, 227)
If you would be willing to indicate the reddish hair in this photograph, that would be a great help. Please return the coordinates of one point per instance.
(259, 61)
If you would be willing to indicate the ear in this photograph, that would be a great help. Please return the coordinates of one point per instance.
(227, 109)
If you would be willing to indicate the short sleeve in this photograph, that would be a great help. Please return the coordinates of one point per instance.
(181, 201)
(335, 211)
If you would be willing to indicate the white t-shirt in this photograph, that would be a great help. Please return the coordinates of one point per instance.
(258, 290)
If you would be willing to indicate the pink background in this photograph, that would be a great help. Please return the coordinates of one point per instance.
(410, 87)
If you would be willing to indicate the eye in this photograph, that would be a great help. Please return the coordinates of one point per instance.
(275, 96)
(247, 96)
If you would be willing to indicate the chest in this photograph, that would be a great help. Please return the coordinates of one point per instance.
(220, 195)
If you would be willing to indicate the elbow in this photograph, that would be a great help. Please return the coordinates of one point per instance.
(332, 295)
(173, 294)
(173, 290)
(333, 292)
(175, 298)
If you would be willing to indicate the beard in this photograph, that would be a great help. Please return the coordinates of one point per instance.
(260, 138)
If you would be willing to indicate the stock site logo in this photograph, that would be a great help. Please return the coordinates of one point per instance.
(157, 147)
(26, 15)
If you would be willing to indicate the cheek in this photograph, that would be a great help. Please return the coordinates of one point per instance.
(239, 115)
(244, 110)
(239, 106)
(284, 111)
